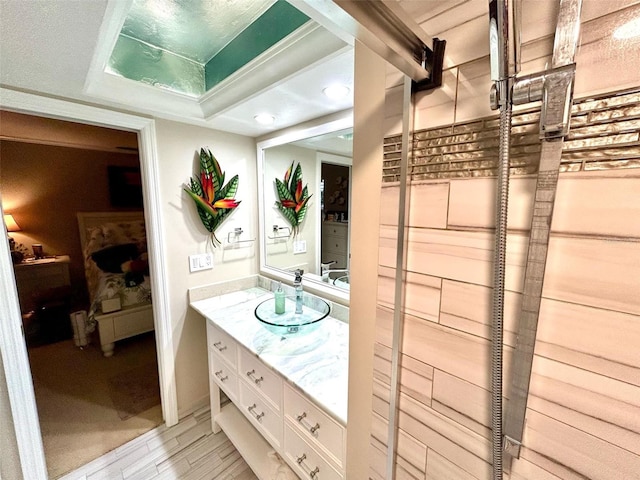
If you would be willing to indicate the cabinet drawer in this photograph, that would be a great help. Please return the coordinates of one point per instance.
(314, 425)
(223, 344)
(305, 461)
(223, 375)
(261, 378)
(337, 230)
(332, 243)
(262, 416)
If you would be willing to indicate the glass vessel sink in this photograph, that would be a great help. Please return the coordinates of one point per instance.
(314, 309)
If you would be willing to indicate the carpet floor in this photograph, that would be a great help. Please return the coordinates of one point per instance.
(88, 404)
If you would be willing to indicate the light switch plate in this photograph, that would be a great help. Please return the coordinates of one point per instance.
(201, 261)
(299, 246)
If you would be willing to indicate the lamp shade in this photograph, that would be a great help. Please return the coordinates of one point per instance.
(11, 224)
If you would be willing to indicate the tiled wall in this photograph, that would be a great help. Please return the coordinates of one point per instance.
(583, 414)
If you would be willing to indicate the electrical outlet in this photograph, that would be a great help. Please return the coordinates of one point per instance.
(299, 246)
(201, 261)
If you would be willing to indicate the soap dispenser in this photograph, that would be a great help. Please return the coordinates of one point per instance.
(279, 299)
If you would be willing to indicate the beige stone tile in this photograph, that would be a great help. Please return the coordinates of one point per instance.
(384, 326)
(468, 307)
(473, 91)
(421, 293)
(595, 204)
(415, 377)
(609, 419)
(470, 451)
(389, 204)
(599, 340)
(571, 453)
(463, 402)
(434, 108)
(378, 465)
(522, 469)
(598, 384)
(465, 356)
(428, 205)
(457, 255)
(472, 203)
(440, 468)
(598, 273)
(412, 454)
(589, 203)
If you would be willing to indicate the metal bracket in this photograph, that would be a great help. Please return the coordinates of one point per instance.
(511, 446)
(433, 61)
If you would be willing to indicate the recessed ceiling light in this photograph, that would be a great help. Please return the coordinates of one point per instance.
(628, 30)
(336, 92)
(264, 119)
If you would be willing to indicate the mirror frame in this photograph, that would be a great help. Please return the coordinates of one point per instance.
(331, 123)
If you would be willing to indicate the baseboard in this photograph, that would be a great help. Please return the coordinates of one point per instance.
(201, 404)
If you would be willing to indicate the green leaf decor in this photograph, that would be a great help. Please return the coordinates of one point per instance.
(293, 198)
(214, 200)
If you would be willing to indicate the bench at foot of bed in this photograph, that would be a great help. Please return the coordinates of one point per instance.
(123, 324)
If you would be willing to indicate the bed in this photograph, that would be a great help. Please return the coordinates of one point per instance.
(114, 247)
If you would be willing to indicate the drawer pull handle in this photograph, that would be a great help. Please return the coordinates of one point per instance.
(300, 419)
(257, 416)
(251, 374)
(312, 473)
(219, 375)
(217, 345)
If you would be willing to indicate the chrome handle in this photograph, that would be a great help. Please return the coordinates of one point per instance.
(251, 373)
(219, 375)
(257, 416)
(217, 345)
(300, 419)
(312, 473)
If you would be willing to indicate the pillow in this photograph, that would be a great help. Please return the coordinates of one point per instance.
(110, 259)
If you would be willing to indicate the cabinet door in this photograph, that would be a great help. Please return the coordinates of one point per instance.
(266, 420)
(224, 376)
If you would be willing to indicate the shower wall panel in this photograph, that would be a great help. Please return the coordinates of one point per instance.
(583, 415)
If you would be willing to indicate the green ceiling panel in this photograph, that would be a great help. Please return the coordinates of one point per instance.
(144, 63)
(189, 46)
(274, 25)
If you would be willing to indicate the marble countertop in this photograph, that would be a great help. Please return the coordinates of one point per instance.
(316, 363)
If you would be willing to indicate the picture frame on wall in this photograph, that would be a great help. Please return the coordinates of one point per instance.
(125, 186)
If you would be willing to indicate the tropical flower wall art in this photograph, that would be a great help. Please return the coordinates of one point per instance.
(293, 198)
(214, 200)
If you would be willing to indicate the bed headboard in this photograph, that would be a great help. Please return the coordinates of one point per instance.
(88, 220)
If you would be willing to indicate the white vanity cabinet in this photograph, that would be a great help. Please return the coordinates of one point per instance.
(310, 440)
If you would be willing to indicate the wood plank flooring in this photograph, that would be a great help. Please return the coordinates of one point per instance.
(187, 451)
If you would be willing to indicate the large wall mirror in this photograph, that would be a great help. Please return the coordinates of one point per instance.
(318, 159)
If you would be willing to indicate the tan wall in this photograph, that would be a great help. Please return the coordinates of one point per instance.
(44, 186)
(178, 145)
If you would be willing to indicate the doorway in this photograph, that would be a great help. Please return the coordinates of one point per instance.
(15, 360)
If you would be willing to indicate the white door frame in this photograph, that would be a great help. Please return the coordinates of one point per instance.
(12, 345)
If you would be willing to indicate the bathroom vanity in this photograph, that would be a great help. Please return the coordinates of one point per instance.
(288, 392)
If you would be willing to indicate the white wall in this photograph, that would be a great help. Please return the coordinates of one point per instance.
(280, 252)
(9, 459)
(178, 150)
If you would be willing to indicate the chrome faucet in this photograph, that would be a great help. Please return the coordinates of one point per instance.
(297, 285)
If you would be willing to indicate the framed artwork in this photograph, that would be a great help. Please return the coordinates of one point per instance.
(125, 186)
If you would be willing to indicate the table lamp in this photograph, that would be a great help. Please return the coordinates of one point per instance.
(12, 226)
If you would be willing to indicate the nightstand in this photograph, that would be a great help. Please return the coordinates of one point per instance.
(35, 277)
